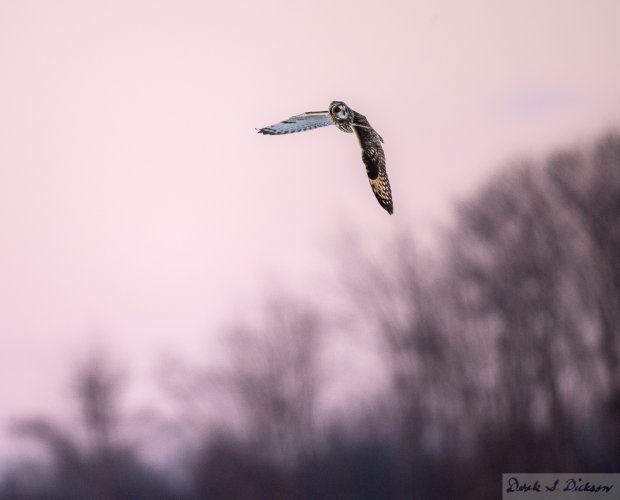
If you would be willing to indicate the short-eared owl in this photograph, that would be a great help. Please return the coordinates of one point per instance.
(347, 120)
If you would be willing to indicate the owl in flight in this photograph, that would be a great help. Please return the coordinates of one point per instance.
(347, 120)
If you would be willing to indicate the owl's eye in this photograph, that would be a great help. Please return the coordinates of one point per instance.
(337, 109)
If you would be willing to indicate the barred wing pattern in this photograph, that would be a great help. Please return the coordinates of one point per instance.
(299, 123)
(374, 159)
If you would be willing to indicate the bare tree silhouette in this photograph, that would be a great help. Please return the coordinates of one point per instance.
(513, 251)
(408, 303)
(274, 379)
(589, 185)
(91, 459)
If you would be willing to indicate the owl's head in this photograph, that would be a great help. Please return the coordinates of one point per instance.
(339, 111)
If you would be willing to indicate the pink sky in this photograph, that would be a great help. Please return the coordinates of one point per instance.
(138, 206)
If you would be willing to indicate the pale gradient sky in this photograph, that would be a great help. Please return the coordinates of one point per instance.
(138, 206)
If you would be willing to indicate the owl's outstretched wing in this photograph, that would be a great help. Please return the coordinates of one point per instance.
(374, 159)
(299, 123)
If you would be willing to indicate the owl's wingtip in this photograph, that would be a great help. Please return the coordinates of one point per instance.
(387, 205)
(265, 131)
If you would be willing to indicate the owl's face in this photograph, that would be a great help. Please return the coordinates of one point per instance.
(339, 111)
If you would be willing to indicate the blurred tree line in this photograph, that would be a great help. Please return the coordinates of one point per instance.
(501, 354)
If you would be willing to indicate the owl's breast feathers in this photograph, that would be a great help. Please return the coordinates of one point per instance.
(344, 125)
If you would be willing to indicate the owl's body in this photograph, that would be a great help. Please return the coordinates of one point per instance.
(349, 121)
